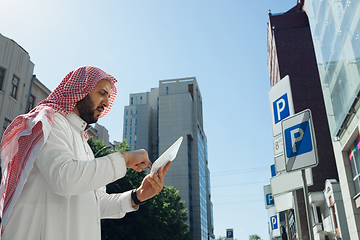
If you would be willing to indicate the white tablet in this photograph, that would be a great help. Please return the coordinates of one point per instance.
(167, 156)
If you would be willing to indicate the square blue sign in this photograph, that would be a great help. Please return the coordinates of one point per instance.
(298, 140)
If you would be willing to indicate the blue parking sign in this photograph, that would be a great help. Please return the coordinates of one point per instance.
(281, 103)
(229, 233)
(274, 222)
(298, 139)
(281, 108)
(269, 199)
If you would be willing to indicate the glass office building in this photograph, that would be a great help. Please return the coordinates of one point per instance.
(335, 28)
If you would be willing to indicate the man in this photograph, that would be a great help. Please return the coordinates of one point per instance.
(52, 185)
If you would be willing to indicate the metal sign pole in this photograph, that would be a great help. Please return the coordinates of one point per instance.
(298, 228)
(287, 224)
(307, 205)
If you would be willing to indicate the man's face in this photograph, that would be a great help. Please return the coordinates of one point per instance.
(90, 107)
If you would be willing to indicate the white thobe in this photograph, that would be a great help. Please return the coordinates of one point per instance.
(64, 197)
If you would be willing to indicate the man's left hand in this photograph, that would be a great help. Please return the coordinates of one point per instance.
(152, 185)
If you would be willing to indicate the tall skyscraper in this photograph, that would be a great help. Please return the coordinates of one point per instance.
(154, 121)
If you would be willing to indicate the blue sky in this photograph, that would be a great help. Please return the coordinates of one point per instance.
(221, 43)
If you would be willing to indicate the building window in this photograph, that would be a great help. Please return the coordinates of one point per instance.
(354, 158)
(333, 213)
(130, 130)
(131, 112)
(126, 113)
(135, 147)
(135, 121)
(15, 83)
(135, 130)
(6, 124)
(130, 140)
(318, 217)
(130, 122)
(125, 122)
(136, 111)
(132, 100)
(140, 100)
(135, 139)
(2, 76)
(167, 90)
(31, 102)
(125, 131)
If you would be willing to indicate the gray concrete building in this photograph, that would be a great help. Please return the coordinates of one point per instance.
(153, 121)
(20, 90)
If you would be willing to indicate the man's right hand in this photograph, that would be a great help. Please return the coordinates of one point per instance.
(137, 159)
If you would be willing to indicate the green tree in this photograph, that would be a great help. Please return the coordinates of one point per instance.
(162, 217)
(254, 237)
(97, 146)
(221, 238)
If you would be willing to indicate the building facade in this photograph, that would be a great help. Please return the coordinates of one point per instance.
(335, 28)
(291, 52)
(154, 121)
(38, 93)
(20, 90)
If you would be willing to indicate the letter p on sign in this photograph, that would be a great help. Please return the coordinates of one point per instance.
(281, 108)
(300, 139)
(274, 222)
(229, 233)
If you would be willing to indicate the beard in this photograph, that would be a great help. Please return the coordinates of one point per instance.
(86, 109)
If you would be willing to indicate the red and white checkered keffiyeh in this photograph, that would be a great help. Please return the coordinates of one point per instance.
(26, 135)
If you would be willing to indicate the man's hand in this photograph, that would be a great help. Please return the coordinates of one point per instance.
(152, 185)
(137, 159)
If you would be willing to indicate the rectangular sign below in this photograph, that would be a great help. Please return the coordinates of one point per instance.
(278, 145)
(274, 222)
(299, 142)
(279, 164)
(284, 202)
(288, 182)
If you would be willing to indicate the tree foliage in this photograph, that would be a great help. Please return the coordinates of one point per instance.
(223, 238)
(254, 237)
(251, 237)
(162, 217)
(97, 146)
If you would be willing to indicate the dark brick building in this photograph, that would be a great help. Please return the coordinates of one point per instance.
(291, 52)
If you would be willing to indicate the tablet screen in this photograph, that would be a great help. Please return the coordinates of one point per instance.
(167, 156)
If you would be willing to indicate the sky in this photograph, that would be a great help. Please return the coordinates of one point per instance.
(223, 43)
